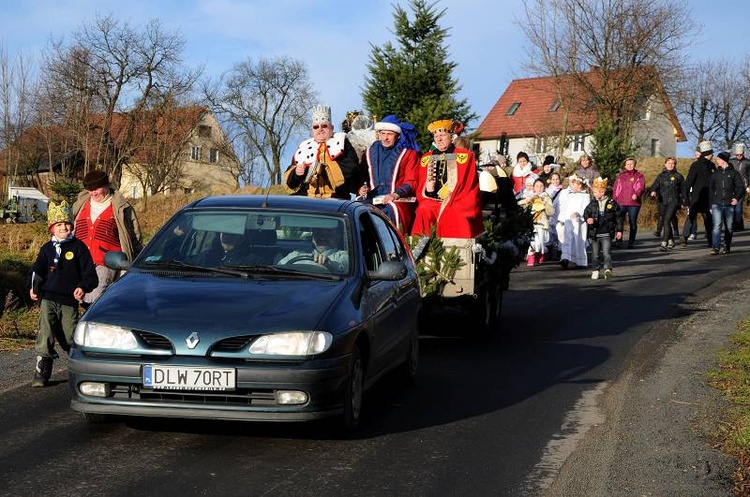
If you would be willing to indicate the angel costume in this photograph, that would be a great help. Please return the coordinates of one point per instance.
(571, 228)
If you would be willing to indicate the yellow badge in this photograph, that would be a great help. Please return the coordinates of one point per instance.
(68, 256)
(671, 178)
(632, 179)
(609, 206)
(462, 158)
(425, 161)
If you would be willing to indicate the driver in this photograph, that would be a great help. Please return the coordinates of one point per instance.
(327, 251)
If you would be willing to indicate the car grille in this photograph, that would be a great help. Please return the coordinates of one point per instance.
(233, 344)
(154, 340)
(239, 397)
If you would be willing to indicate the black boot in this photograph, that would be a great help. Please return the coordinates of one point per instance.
(42, 371)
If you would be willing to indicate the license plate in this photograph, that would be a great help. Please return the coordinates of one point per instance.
(187, 378)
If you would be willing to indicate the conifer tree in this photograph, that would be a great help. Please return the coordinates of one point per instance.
(413, 79)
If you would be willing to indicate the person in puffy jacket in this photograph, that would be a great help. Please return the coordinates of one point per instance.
(725, 190)
(695, 191)
(629, 187)
(667, 188)
(604, 223)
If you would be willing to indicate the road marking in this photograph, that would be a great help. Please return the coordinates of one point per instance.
(584, 414)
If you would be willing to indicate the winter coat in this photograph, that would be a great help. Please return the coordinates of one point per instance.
(627, 184)
(724, 185)
(668, 187)
(695, 188)
(605, 222)
(74, 269)
(128, 229)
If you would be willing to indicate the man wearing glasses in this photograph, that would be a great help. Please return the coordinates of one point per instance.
(325, 165)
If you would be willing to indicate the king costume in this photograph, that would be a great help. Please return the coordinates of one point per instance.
(393, 170)
(455, 207)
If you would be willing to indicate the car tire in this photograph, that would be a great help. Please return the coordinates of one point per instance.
(95, 418)
(354, 393)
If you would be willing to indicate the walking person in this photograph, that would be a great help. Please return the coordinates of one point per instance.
(539, 204)
(571, 228)
(62, 273)
(741, 164)
(604, 223)
(628, 190)
(726, 190)
(105, 221)
(695, 193)
(667, 189)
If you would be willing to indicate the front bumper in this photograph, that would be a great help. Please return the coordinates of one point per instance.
(254, 398)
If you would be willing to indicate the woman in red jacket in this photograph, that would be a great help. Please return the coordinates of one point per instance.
(629, 187)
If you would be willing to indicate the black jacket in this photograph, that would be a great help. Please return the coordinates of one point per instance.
(668, 188)
(724, 185)
(74, 269)
(607, 222)
(695, 188)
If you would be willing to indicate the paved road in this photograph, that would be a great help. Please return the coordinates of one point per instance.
(503, 418)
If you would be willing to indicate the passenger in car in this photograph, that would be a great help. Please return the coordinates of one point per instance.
(326, 252)
(233, 250)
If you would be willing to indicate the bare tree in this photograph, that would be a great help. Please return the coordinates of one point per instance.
(15, 110)
(263, 104)
(111, 74)
(633, 45)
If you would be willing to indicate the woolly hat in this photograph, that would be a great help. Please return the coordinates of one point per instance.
(95, 179)
(723, 156)
(58, 213)
(321, 114)
(548, 160)
(739, 148)
(389, 123)
(705, 148)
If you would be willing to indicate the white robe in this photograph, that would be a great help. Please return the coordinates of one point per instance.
(572, 232)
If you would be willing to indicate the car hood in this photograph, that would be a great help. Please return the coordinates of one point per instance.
(218, 306)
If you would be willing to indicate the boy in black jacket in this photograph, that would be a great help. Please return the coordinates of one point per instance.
(601, 216)
(62, 274)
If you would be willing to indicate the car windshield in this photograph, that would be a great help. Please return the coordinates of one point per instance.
(268, 242)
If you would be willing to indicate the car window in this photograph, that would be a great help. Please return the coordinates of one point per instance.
(216, 238)
(390, 249)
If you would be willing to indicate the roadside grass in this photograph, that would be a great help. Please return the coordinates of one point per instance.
(732, 379)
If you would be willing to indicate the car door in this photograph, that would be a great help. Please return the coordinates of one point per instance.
(394, 304)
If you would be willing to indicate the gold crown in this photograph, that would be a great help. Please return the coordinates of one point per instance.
(58, 213)
(600, 183)
(442, 125)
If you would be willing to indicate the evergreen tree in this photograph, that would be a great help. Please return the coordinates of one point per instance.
(610, 147)
(414, 78)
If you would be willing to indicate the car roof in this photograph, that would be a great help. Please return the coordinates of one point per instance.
(290, 202)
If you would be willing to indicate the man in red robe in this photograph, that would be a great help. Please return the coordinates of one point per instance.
(448, 191)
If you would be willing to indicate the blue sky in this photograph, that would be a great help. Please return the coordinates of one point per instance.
(333, 37)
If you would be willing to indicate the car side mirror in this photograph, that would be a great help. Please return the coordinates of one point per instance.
(116, 260)
(389, 271)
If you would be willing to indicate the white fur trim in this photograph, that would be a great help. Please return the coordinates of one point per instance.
(308, 150)
(388, 127)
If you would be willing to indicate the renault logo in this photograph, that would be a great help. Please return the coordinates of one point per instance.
(192, 340)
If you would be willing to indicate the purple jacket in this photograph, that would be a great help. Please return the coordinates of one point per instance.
(627, 184)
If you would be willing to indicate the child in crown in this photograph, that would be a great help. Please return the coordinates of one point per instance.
(62, 273)
(604, 223)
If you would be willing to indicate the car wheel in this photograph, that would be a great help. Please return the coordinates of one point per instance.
(354, 392)
(408, 370)
(94, 418)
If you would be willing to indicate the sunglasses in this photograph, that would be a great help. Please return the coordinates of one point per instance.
(317, 126)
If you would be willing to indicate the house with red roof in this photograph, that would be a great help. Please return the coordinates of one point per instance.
(556, 116)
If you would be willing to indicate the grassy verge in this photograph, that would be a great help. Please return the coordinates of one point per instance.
(732, 378)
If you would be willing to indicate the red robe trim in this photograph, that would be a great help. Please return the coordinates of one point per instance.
(405, 171)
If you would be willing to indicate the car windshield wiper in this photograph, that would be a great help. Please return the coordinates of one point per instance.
(174, 263)
(275, 270)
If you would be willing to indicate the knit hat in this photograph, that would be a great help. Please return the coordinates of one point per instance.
(705, 148)
(95, 179)
(58, 213)
(389, 123)
(723, 156)
(548, 160)
(739, 148)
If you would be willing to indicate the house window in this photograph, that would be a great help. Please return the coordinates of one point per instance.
(655, 148)
(513, 108)
(578, 141)
(555, 106)
(541, 145)
(213, 155)
(195, 153)
(204, 131)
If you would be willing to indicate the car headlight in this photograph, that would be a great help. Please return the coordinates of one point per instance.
(104, 336)
(298, 343)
